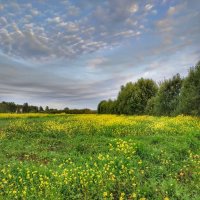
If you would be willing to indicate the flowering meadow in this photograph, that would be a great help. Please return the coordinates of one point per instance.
(99, 157)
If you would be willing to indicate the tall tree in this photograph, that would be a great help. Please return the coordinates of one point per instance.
(166, 100)
(107, 107)
(41, 109)
(133, 97)
(47, 109)
(189, 101)
(25, 108)
(124, 98)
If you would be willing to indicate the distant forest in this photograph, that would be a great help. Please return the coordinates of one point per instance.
(171, 97)
(11, 107)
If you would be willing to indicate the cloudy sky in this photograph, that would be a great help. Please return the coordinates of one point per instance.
(76, 53)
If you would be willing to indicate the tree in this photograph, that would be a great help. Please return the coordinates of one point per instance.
(146, 89)
(133, 98)
(166, 100)
(150, 107)
(107, 107)
(25, 108)
(47, 109)
(189, 101)
(124, 97)
(6, 107)
(111, 107)
(11, 107)
(3, 107)
(41, 109)
(33, 109)
(100, 107)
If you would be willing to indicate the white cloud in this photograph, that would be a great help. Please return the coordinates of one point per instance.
(71, 27)
(131, 22)
(165, 25)
(173, 26)
(58, 34)
(171, 11)
(93, 63)
(54, 20)
(88, 31)
(128, 33)
(35, 12)
(16, 29)
(148, 7)
(5, 37)
(67, 37)
(134, 8)
(177, 8)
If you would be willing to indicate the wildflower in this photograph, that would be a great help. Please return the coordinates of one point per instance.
(140, 162)
(14, 191)
(166, 198)
(134, 195)
(105, 194)
(181, 174)
(122, 196)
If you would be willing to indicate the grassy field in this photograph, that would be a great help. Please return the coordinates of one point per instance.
(99, 157)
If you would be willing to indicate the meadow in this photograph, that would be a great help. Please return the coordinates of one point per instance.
(45, 156)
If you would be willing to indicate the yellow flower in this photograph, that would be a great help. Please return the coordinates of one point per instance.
(122, 196)
(14, 191)
(134, 195)
(24, 192)
(105, 194)
(140, 162)
(181, 174)
(166, 198)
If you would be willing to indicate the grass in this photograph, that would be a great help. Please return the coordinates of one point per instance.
(99, 157)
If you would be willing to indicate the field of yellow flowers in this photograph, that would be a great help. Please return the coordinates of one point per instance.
(94, 157)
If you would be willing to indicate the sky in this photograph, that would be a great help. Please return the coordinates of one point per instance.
(75, 53)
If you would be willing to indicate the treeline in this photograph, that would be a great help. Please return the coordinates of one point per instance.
(11, 107)
(171, 97)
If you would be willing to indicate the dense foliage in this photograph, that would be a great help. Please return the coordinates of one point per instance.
(133, 98)
(166, 100)
(103, 157)
(189, 101)
(171, 97)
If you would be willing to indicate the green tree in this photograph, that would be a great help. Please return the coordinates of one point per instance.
(107, 107)
(133, 98)
(25, 108)
(166, 100)
(189, 101)
(150, 107)
(47, 109)
(41, 109)
(100, 107)
(124, 97)
(146, 89)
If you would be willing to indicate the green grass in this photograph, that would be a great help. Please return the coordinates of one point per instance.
(99, 157)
